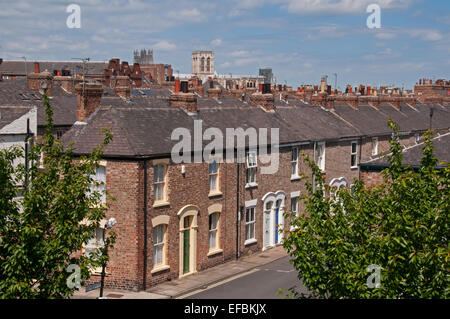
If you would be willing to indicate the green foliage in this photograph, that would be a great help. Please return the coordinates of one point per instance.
(43, 231)
(401, 226)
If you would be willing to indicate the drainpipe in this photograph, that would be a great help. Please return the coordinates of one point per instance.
(315, 162)
(360, 156)
(144, 279)
(237, 209)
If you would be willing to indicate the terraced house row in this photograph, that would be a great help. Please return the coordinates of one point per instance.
(176, 219)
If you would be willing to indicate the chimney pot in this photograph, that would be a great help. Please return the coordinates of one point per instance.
(36, 67)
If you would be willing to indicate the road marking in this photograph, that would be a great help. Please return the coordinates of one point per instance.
(218, 283)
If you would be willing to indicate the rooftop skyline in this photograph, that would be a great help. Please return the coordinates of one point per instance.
(300, 39)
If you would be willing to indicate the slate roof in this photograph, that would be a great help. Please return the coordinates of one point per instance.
(76, 67)
(142, 125)
(10, 114)
(13, 92)
(413, 155)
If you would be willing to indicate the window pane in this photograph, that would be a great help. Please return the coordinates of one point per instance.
(212, 239)
(213, 218)
(294, 154)
(294, 168)
(158, 191)
(294, 204)
(353, 147)
(213, 167)
(353, 160)
(157, 255)
(212, 182)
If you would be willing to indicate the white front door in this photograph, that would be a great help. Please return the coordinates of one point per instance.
(267, 229)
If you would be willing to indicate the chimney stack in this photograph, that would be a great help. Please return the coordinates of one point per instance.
(123, 91)
(177, 86)
(36, 67)
(187, 101)
(89, 97)
(215, 93)
(266, 101)
(36, 80)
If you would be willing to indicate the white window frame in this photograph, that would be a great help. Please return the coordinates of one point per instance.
(295, 163)
(215, 174)
(355, 154)
(321, 158)
(160, 183)
(215, 231)
(374, 146)
(161, 245)
(252, 166)
(250, 224)
(94, 243)
(102, 187)
(294, 199)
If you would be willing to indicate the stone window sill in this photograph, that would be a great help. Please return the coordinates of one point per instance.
(295, 178)
(250, 241)
(160, 268)
(250, 185)
(215, 252)
(160, 204)
(214, 193)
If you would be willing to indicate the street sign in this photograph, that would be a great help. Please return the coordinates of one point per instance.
(93, 286)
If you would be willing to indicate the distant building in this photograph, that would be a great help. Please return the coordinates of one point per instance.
(267, 74)
(143, 56)
(202, 63)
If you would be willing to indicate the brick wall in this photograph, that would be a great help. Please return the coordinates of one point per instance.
(125, 182)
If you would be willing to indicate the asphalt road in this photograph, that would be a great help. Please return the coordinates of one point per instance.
(264, 283)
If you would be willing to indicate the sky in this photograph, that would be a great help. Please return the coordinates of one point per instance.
(301, 40)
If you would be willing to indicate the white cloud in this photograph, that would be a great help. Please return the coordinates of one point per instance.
(187, 15)
(426, 34)
(216, 42)
(385, 35)
(164, 45)
(335, 7)
(240, 53)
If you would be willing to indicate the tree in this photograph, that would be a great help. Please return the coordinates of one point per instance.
(388, 241)
(43, 231)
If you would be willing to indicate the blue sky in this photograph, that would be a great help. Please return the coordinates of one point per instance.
(300, 39)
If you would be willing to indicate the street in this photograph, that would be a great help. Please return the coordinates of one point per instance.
(262, 283)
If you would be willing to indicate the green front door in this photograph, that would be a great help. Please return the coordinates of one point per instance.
(186, 251)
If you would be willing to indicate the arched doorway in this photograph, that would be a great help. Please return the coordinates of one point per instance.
(273, 218)
(188, 240)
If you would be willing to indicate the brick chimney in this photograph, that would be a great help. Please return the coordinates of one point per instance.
(36, 80)
(123, 91)
(266, 101)
(187, 101)
(88, 99)
(66, 82)
(215, 93)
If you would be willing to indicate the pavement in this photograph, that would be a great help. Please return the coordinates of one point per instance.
(187, 285)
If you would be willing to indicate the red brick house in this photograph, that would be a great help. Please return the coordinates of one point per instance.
(177, 219)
